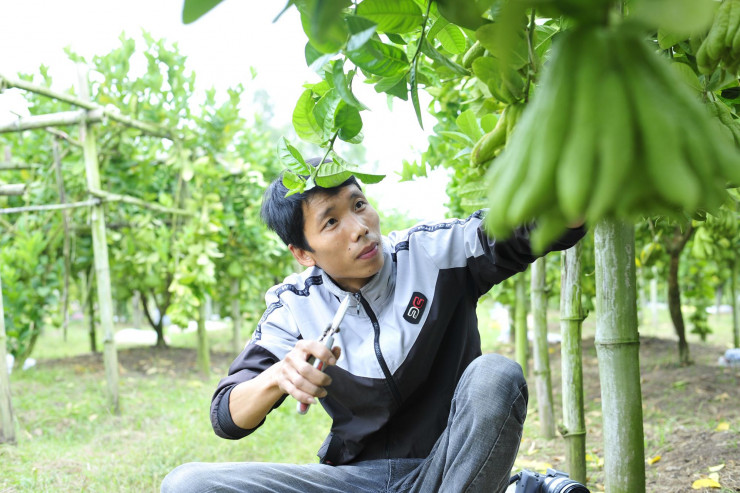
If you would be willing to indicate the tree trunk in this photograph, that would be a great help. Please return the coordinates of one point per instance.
(158, 325)
(543, 383)
(617, 345)
(204, 357)
(674, 308)
(654, 297)
(91, 320)
(571, 318)
(7, 421)
(520, 322)
(136, 311)
(236, 317)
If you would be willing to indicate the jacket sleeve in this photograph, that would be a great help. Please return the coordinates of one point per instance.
(464, 243)
(275, 336)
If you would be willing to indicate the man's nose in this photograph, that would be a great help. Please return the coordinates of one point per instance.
(358, 227)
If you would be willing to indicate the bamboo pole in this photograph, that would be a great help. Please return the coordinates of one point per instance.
(520, 322)
(114, 197)
(236, 317)
(50, 207)
(12, 189)
(66, 246)
(733, 294)
(571, 318)
(543, 382)
(617, 345)
(204, 356)
(7, 422)
(100, 250)
(59, 119)
(8, 166)
(84, 102)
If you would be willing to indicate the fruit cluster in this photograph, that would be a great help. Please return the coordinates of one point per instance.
(610, 133)
(722, 43)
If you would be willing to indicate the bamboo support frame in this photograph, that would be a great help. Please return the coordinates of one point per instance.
(85, 103)
(114, 197)
(9, 166)
(74, 117)
(7, 422)
(521, 346)
(100, 251)
(617, 348)
(571, 318)
(543, 382)
(50, 207)
(12, 189)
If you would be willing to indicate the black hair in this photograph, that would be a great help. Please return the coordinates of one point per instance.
(284, 215)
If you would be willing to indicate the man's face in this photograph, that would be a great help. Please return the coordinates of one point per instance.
(344, 232)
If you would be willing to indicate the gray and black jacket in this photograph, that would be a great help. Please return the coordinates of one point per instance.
(406, 339)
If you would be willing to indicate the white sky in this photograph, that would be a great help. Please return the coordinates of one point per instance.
(221, 47)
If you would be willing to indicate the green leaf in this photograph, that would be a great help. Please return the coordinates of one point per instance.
(291, 158)
(314, 58)
(324, 24)
(396, 39)
(392, 16)
(432, 53)
(488, 121)
(464, 13)
(667, 39)
(342, 86)
(452, 39)
(367, 178)
(468, 123)
(304, 122)
(348, 121)
(293, 183)
(361, 30)
(395, 86)
(325, 112)
(458, 137)
(415, 94)
(507, 43)
(679, 17)
(332, 174)
(543, 38)
(487, 70)
(688, 76)
(381, 59)
(193, 10)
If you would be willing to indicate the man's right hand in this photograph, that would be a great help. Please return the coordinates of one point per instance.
(295, 376)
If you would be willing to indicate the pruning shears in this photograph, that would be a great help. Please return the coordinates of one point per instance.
(328, 339)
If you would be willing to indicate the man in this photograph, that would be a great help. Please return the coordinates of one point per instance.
(415, 406)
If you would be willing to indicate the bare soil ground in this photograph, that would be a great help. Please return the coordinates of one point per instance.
(685, 411)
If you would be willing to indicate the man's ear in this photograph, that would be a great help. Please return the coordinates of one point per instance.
(302, 256)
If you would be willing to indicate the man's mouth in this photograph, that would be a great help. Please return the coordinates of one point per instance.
(368, 252)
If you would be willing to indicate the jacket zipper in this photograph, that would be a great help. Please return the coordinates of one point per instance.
(378, 354)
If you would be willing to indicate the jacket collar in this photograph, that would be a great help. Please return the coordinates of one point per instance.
(378, 290)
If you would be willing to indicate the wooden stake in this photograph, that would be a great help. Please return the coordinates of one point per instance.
(66, 246)
(114, 197)
(100, 251)
(520, 321)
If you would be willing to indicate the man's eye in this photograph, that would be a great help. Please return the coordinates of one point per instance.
(360, 204)
(331, 222)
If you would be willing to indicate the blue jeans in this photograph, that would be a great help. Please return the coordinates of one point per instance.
(475, 453)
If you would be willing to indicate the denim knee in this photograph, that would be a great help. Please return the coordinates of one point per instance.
(495, 376)
(183, 478)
